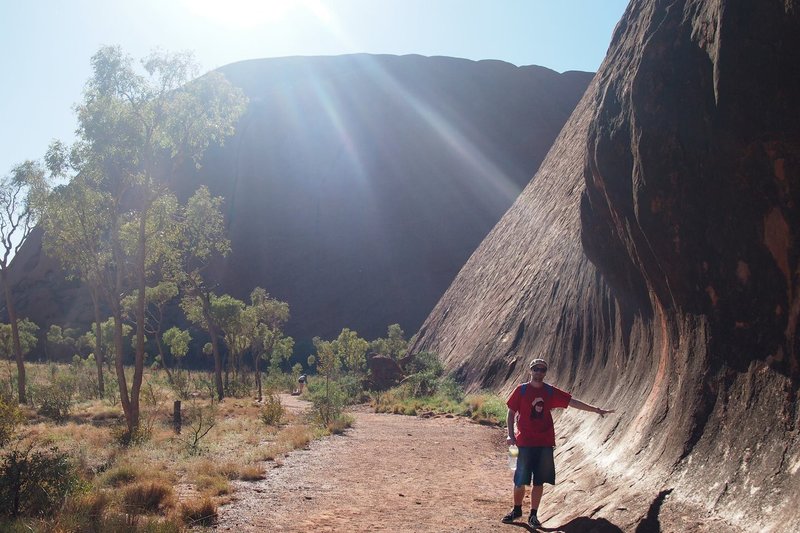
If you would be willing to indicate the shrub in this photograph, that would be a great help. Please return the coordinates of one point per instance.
(35, 482)
(125, 437)
(200, 421)
(199, 512)
(148, 497)
(337, 427)
(84, 512)
(181, 384)
(56, 399)
(487, 408)
(10, 418)
(449, 389)
(251, 473)
(328, 400)
(120, 475)
(85, 374)
(213, 484)
(272, 410)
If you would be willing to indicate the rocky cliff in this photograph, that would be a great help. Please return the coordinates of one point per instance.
(357, 186)
(654, 260)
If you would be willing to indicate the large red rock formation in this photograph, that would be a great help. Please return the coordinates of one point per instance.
(357, 186)
(655, 260)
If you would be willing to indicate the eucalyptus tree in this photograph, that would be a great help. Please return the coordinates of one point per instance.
(156, 300)
(76, 221)
(351, 351)
(201, 239)
(269, 343)
(137, 127)
(21, 196)
(177, 341)
(216, 314)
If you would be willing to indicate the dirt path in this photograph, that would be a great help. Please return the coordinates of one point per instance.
(388, 473)
(403, 473)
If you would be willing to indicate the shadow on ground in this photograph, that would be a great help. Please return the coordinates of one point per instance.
(581, 524)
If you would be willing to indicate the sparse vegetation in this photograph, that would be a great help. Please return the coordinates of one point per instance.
(108, 483)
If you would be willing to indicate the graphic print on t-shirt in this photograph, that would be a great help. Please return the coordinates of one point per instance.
(537, 408)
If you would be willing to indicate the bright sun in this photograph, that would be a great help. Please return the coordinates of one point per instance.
(242, 13)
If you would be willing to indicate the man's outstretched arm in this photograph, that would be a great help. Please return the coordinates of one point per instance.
(577, 404)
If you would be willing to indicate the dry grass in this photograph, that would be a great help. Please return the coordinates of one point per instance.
(213, 484)
(199, 511)
(252, 473)
(148, 497)
(143, 478)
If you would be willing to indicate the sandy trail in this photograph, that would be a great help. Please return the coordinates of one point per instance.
(403, 473)
(387, 473)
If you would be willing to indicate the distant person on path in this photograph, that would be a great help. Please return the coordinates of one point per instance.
(301, 382)
(530, 427)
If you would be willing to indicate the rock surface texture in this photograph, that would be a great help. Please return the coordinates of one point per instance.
(357, 186)
(654, 259)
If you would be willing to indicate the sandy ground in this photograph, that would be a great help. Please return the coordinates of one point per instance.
(403, 473)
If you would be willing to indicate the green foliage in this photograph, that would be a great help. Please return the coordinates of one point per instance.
(57, 397)
(424, 373)
(272, 410)
(487, 408)
(27, 336)
(394, 345)
(10, 418)
(84, 372)
(177, 340)
(329, 400)
(182, 384)
(126, 437)
(35, 482)
(351, 351)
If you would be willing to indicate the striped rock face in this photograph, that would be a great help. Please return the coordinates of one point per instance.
(654, 261)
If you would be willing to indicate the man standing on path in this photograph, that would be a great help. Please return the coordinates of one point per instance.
(530, 427)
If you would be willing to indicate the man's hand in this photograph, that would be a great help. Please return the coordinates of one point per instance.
(511, 440)
(601, 411)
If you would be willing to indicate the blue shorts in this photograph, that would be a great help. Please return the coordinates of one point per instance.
(535, 463)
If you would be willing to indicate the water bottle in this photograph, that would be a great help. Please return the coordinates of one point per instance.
(513, 452)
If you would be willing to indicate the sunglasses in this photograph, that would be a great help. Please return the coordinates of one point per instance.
(539, 369)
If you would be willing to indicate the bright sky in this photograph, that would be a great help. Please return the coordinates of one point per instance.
(46, 44)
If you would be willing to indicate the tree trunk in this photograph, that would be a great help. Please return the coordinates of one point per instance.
(12, 318)
(98, 344)
(256, 358)
(212, 331)
(131, 414)
(138, 365)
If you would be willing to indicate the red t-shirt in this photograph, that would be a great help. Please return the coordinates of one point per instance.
(534, 423)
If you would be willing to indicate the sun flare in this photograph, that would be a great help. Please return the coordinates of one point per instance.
(242, 13)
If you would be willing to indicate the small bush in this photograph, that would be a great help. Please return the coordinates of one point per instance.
(199, 512)
(57, 398)
(272, 410)
(148, 497)
(125, 437)
(251, 473)
(120, 475)
(213, 485)
(10, 418)
(35, 482)
(84, 512)
(337, 426)
(487, 408)
(181, 384)
(328, 400)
